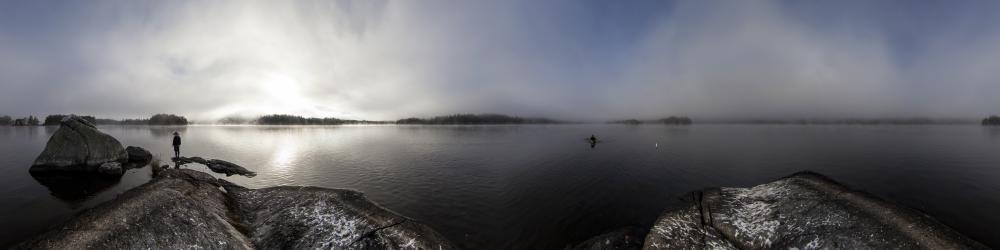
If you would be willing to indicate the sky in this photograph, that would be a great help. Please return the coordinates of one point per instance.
(386, 60)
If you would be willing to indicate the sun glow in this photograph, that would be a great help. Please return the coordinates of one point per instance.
(285, 156)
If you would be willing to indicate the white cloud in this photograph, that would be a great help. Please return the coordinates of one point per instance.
(388, 60)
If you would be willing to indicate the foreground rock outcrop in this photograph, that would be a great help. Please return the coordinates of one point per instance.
(77, 146)
(803, 211)
(319, 218)
(186, 209)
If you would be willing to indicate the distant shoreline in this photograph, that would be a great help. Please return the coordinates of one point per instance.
(483, 119)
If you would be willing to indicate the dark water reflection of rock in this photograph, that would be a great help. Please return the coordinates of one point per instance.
(75, 187)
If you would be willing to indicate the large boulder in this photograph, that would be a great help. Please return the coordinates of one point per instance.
(77, 146)
(186, 209)
(803, 211)
(138, 155)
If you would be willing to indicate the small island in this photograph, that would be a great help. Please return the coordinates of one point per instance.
(992, 121)
(626, 121)
(672, 120)
(477, 119)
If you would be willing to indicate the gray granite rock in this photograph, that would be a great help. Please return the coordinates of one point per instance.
(319, 218)
(138, 155)
(216, 165)
(229, 168)
(803, 211)
(77, 146)
(178, 209)
(111, 168)
(186, 209)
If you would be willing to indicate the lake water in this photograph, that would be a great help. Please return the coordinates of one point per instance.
(543, 186)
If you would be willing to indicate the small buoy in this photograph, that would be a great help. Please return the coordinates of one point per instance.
(656, 145)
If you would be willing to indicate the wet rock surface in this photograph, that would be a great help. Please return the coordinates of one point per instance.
(111, 168)
(216, 165)
(187, 209)
(77, 146)
(138, 155)
(803, 211)
(180, 209)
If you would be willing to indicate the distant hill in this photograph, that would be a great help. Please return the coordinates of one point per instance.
(476, 119)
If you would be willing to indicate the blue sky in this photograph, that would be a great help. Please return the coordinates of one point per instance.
(564, 59)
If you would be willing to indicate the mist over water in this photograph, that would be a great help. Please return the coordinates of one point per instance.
(543, 186)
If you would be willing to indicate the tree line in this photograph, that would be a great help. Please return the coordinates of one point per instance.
(672, 120)
(54, 120)
(476, 119)
(285, 119)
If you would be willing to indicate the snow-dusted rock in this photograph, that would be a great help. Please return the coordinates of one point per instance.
(186, 209)
(289, 217)
(802, 211)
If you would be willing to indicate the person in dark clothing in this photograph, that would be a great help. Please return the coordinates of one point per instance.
(177, 145)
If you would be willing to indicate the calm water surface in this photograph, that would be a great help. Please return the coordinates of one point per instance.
(543, 186)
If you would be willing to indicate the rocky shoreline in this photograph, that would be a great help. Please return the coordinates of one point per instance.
(183, 208)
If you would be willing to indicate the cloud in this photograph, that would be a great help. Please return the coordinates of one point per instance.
(564, 59)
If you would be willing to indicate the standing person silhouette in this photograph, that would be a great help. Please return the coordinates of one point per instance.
(177, 145)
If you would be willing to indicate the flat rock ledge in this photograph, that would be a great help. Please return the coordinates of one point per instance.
(802, 211)
(187, 209)
(216, 165)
